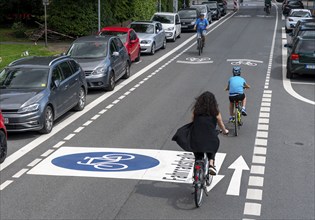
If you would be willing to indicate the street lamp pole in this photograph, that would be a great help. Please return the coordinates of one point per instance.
(99, 15)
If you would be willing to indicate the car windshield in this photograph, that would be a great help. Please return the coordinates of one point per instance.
(187, 14)
(300, 14)
(212, 5)
(89, 49)
(166, 19)
(307, 33)
(120, 34)
(143, 28)
(306, 47)
(23, 78)
(202, 8)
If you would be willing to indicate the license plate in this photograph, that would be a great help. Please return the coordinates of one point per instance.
(6, 121)
(184, 26)
(310, 66)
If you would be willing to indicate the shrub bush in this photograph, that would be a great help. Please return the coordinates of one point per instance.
(18, 29)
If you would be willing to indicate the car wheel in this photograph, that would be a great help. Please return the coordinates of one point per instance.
(164, 44)
(112, 82)
(127, 71)
(153, 49)
(3, 146)
(174, 38)
(289, 74)
(48, 121)
(138, 57)
(82, 100)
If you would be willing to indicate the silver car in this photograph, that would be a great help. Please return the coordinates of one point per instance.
(151, 34)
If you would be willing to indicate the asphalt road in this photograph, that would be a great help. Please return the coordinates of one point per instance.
(267, 172)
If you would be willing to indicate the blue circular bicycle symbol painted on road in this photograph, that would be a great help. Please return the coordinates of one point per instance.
(105, 161)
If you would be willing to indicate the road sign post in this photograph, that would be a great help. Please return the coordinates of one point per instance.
(45, 3)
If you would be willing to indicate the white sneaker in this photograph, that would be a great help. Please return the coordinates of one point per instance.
(212, 170)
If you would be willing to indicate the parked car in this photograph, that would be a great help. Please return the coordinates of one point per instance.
(301, 28)
(151, 34)
(204, 10)
(188, 18)
(214, 8)
(129, 38)
(104, 60)
(35, 91)
(294, 16)
(292, 5)
(223, 8)
(3, 138)
(301, 56)
(170, 23)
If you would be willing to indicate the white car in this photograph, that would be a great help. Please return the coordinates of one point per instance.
(170, 23)
(294, 16)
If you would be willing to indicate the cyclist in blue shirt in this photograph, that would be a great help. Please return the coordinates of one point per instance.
(201, 26)
(236, 86)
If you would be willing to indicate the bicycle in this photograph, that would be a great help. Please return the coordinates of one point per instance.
(237, 116)
(202, 179)
(267, 9)
(200, 44)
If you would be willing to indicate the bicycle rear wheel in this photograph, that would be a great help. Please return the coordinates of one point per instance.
(199, 189)
(199, 46)
(235, 120)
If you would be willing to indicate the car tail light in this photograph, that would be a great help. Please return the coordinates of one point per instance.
(294, 56)
(197, 167)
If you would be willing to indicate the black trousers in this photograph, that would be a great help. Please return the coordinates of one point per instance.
(199, 155)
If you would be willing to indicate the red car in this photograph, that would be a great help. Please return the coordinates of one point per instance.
(129, 37)
(3, 139)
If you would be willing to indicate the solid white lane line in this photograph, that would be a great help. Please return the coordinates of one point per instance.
(20, 173)
(47, 153)
(5, 184)
(34, 162)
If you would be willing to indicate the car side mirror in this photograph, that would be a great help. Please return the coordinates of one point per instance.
(115, 54)
(56, 83)
(133, 41)
(288, 45)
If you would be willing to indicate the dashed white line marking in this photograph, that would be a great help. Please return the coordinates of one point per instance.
(95, 117)
(256, 181)
(5, 184)
(69, 137)
(263, 120)
(254, 194)
(126, 93)
(266, 95)
(262, 134)
(87, 123)
(20, 173)
(34, 162)
(260, 142)
(109, 106)
(59, 144)
(268, 104)
(264, 115)
(121, 97)
(116, 101)
(266, 100)
(78, 129)
(255, 169)
(102, 111)
(259, 159)
(252, 209)
(262, 127)
(47, 153)
(260, 150)
(265, 109)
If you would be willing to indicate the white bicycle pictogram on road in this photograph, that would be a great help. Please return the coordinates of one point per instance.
(238, 62)
(108, 161)
(196, 59)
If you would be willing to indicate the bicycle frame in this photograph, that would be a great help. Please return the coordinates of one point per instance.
(237, 116)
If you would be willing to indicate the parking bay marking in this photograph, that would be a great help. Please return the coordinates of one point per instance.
(173, 166)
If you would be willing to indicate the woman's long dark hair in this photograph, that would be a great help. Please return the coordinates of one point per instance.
(206, 104)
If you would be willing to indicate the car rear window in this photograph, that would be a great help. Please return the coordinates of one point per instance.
(166, 19)
(143, 28)
(120, 34)
(187, 14)
(300, 14)
(24, 78)
(306, 46)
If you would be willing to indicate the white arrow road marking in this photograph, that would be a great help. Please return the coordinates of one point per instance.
(239, 165)
(219, 158)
